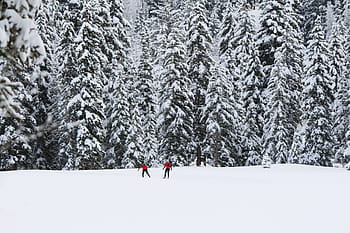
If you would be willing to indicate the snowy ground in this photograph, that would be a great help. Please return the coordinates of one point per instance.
(282, 199)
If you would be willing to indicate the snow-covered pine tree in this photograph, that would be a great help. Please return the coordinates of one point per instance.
(228, 54)
(279, 126)
(48, 19)
(269, 37)
(338, 72)
(221, 147)
(117, 106)
(14, 147)
(311, 10)
(9, 107)
(20, 134)
(15, 151)
(227, 31)
(20, 42)
(175, 113)
(252, 105)
(118, 122)
(135, 150)
(282, 94)
(240, 49)
(20, 47)
(125, 135)
(294, 49)
(66, 70)
(200, 64)
(249, 72)
(146, 100)
(346, 155)
(214, 13)
(316, 102)
(154, 7)
(338, 8)
(115, 32)
(337, 52)
(17, 23)
(83, 107)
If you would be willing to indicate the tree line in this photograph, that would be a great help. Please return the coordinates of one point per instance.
(207, 82)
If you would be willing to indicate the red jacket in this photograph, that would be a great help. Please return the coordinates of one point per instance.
(144, 167)
(167, 165)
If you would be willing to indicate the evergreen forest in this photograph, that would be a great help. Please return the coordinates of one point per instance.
(86, 85)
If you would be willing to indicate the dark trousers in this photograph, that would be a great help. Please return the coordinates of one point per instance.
(167, 171)
(145, 171)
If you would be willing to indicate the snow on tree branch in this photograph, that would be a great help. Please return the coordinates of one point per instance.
(20, 42)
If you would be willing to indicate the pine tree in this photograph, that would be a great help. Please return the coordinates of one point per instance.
(20, 135)
(20, 42)
(17, 23)
(248, 85)
(337, 53)
(199, 65)
(147, 98)
(66, 69)
(83, 109)
(283, 91)
(154, 7)
(229, 49)
(316, 102)
(338, 72)
(269, 37)
(222, 145)
(134, 154)
(338, 9)
(115, 32)
(125, 146)
(279, 126)
(175, 113)
(118, 123)
(312, 9)
(252, 109)
(14, 149)
(48, 20)
(20, 47)
(346, 154)
(294, 49)
(9, 107)
(227, 31)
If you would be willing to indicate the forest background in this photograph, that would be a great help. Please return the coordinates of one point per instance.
(208, 82)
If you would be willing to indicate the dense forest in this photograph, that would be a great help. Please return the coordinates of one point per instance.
(207, 82)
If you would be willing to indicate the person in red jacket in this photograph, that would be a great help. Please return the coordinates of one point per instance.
(144, 170)
(168, 166)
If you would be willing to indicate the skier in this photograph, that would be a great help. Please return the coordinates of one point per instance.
(168, 166)
(144, 170)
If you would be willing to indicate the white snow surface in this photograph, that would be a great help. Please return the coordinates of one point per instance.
(284, 198)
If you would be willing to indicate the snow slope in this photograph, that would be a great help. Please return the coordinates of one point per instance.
(282, 199)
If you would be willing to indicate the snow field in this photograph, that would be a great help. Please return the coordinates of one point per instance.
(282, 199)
